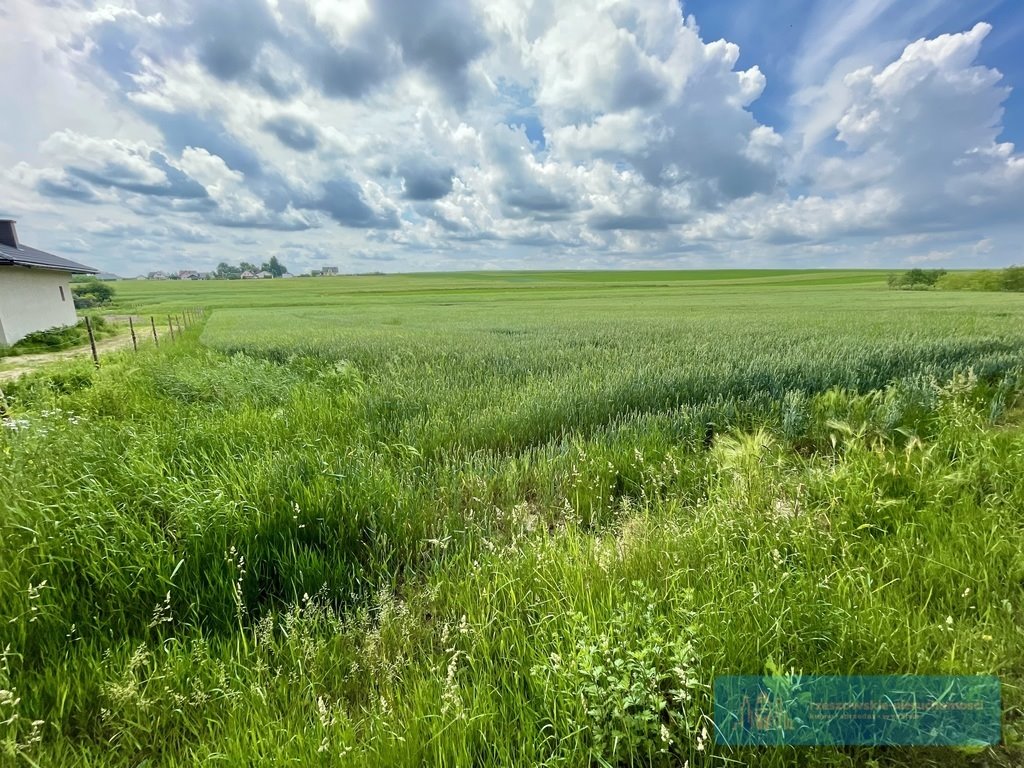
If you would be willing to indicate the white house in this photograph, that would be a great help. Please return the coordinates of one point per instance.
(34, 290)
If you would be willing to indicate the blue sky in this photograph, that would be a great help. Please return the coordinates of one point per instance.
(401, 135)
(774, 35)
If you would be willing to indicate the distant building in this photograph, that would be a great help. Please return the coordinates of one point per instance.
(329, 271)
(188, 274)
(158, 275)
(263, 274)
(34, 290)
(248, 275)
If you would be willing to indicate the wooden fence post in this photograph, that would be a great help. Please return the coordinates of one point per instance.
(131, 327)
(170, 325)
(152, 323)
(92, 342)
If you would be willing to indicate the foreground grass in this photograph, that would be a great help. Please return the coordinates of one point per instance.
(362, 548)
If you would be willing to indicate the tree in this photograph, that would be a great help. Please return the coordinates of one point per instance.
(226, 271)
(1013, 279)
(91, 293)
(916, 279)
(247, 267)
(274, 267)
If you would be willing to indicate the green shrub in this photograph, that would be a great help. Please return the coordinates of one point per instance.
(916, 279)
(90, 292)
(58, 339)
(49, 340)
(1009, 279)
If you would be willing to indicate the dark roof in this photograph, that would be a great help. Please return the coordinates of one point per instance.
(23, 256)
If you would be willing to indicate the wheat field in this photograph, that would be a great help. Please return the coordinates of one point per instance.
(507, 519)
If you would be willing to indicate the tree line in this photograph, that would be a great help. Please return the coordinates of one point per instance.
(1008, 279)
(227, 271)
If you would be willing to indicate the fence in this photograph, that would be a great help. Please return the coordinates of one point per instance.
(186, 319)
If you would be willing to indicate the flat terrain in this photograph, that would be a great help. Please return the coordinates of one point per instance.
(508, 518)
(15, 367)
(160, 296)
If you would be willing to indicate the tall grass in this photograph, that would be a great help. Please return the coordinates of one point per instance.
(494, 535)
(61, 338)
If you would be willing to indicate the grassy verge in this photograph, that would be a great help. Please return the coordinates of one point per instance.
(219, 557)
(59, 339)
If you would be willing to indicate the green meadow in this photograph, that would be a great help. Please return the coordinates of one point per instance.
(508, 518)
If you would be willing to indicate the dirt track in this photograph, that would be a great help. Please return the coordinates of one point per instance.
(13, 367)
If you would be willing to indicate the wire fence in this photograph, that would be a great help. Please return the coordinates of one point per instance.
(140, 334)
(186, 319)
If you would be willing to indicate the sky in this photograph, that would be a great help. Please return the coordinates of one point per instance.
(424, 135)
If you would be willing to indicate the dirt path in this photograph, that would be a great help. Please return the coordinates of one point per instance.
(13, 367)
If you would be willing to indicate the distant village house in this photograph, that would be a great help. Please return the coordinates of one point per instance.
(35, 294)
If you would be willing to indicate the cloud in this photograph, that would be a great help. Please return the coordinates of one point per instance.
(181, 130)
(345, 50)
(425, 180)
(606, 132)
(834, 32)
(230, 34)
(639, 221)
(183, 233)
(357, 47)
(343, 200)
(132, 167)
(525, 185)
(236, 203)
(349, 72)
(944, 177)
(60, 184)
(441, 38)
(294, 132)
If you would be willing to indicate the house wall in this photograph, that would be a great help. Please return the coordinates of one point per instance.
(30, 300)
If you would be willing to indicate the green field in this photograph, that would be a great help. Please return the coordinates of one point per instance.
(508, 518)
(168, 295)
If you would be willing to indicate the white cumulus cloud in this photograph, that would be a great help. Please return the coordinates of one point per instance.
(435, 133)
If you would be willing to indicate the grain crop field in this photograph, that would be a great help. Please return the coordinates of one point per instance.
(508, 518)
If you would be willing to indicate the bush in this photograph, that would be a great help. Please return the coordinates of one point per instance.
(1009, 279)
(1013, 279)
(91, 292)
(916, 279)
(56, 339)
